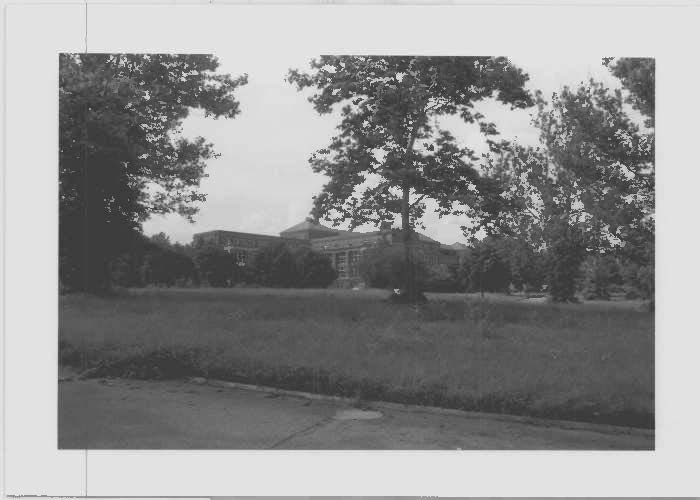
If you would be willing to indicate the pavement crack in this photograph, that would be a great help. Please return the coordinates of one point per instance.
(305, 430)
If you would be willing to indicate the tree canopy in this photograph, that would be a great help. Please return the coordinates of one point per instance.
(390, 154)
(588, 187)
(122, 156)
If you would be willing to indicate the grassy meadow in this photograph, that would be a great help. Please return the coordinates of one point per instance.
(589, 362)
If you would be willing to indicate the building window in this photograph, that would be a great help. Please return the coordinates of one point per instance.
(341, 264)
(241, 258)
(354, 264)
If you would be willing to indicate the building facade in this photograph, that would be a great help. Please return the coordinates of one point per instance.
(343, 248)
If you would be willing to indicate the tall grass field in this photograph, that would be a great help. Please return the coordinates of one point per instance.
(588, 362)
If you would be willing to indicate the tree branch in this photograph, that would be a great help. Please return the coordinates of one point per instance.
(418, 200)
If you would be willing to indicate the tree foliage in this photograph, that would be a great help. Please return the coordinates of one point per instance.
(215, 266)
(153, 261)
(122, 157)
(497, 263)
(566, 251)
(384, 266)
(527, 265)
(280, 266)
(638, 76)
(487, 270)
(588, 186)
(388, 132)
(601, 277)
(314, 270)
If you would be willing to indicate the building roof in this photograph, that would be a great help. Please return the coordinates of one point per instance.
(423, 237)
(419, 236)
(242, 234)
(344, 235)
(227, 232)
(309, 225)
(456, 247)
(320, 232)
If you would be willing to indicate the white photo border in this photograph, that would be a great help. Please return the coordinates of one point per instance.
(36, 34)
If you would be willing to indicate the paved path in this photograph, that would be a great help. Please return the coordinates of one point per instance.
(130, 414)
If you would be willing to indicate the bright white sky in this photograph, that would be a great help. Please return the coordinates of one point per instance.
(262, 181)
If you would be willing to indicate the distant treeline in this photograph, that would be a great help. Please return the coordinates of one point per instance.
(496, 264)
(155, 261)
(506, 265)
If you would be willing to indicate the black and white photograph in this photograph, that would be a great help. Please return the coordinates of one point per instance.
(356, 251)
(349, 251)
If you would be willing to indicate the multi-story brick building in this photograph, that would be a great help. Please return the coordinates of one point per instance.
(344, 248)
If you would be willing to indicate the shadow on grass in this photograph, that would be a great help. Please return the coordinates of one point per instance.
(164, 364)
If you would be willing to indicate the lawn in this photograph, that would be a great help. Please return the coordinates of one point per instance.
(590, 362)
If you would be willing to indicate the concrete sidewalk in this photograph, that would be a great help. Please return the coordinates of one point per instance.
(131, 414)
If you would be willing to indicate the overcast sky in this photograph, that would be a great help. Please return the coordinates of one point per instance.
(262, 181)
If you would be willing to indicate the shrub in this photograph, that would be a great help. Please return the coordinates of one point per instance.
(385, 267)
(487, 268)
(444, 280)
(527, 266)
(638, 281)
(167, 267)
(601, 275)
(216, 266)
(314, 269)
(279, 266)
(152, 262)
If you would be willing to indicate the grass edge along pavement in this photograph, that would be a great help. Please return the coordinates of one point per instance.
(590, 363)
(435, 410)
(167, 365)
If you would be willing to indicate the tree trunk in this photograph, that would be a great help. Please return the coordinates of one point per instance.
(410, 291)
(95, 265)
(87, 284)
(410, 288)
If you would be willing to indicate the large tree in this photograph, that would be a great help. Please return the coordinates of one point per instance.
(122, 157)
(638, 77)
(588, 187)
(390, 155)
